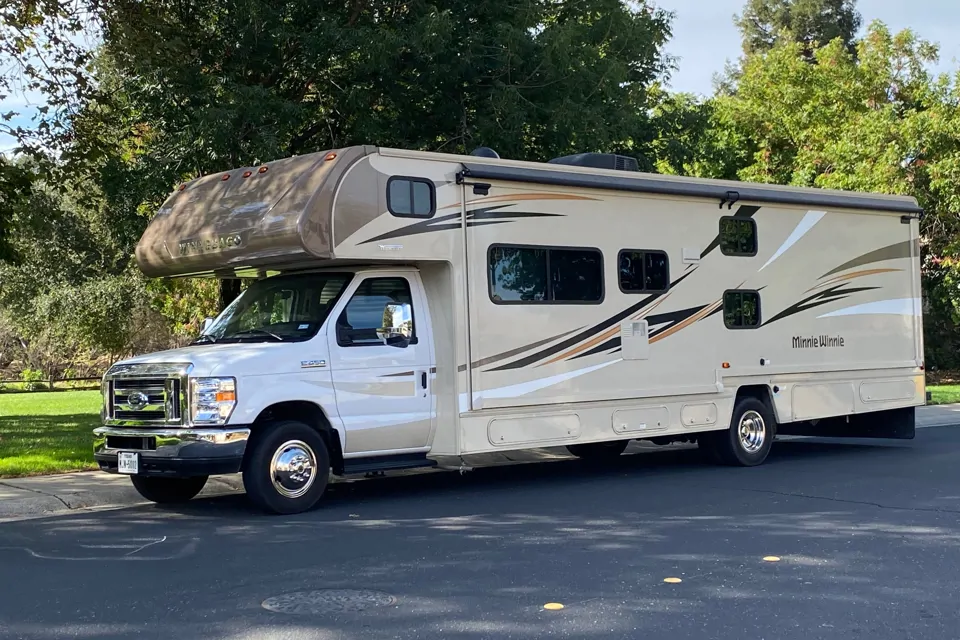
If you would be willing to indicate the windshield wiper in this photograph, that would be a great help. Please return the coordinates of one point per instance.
(206, 337)
(254, 332)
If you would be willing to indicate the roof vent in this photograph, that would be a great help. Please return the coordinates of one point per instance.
(599, 161)
(485, 152)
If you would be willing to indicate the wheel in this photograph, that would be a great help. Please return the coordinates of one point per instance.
(168, 490)
(748, 440)
(598, 450)
(287, 468)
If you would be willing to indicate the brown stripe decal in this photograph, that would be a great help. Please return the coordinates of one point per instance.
(606, 335)
(525, 196)
(851, 276)
(680, 326)
(449, 222)
(892, 252)
(833, 294)
(591, 332)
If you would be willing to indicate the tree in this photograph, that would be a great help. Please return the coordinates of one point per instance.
(876, 122)
(15, 183)
(764, 23)
(695, 138)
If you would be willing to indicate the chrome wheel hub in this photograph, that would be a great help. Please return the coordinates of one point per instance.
(293, 468)
(752, 431)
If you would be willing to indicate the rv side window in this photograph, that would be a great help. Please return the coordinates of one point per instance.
(741, 309)
(545, 275)
(643, 271)
(411, 197)
(738, 236)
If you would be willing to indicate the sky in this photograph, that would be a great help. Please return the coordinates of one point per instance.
(705, 38)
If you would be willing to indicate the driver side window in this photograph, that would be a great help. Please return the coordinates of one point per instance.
(365, 320)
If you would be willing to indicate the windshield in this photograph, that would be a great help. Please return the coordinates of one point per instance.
(287, 308)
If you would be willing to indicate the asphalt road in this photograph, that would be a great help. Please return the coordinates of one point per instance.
(867, 535)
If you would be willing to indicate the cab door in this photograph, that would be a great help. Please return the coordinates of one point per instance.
(381, 355)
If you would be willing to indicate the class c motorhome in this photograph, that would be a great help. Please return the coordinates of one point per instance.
(409, 309)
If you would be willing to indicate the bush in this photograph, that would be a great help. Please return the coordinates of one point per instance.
(33, 379)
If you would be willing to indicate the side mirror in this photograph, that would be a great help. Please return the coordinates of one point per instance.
(397, 325)
(207, 323)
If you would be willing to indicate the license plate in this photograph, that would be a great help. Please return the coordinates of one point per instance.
(128, 462)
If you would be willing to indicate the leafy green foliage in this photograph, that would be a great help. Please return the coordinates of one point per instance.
(15, 183)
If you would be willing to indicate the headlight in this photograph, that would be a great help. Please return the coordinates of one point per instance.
(212, 400)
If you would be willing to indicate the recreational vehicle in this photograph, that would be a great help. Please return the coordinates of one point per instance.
(409, 309)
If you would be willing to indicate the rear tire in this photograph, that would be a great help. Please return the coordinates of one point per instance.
(287, 469)
(748, 441)
(598, 450)
(168, 490)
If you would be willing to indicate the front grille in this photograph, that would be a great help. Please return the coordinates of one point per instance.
(146, 394)
(145, 400)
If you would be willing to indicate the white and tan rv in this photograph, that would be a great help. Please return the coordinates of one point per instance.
(411, 309)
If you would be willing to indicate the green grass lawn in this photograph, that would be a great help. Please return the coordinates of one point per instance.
(44, 433)
(944, 394)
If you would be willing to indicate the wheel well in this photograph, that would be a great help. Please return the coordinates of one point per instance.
(759, 391)
(308, 413)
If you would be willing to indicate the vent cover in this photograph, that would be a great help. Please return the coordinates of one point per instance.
(634, 340)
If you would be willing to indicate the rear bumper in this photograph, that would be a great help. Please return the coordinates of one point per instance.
(173, 452)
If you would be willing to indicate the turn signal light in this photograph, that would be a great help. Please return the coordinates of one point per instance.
(247, 174)
(330, 156)
(262, 170)
(226, 396)
(726, 365)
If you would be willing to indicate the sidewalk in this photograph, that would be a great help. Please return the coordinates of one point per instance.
(23, 498)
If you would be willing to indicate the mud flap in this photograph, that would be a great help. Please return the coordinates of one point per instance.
(894, 424)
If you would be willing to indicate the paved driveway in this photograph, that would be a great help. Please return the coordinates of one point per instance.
(867, 535)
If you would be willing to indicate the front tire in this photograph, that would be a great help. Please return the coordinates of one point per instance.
(168, 490)
(748, 441)
(288, 468)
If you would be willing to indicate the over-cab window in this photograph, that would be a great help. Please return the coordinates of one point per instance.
(643, 271)
(411, 197)
(741, 309)
(738, 236)
(560, 275)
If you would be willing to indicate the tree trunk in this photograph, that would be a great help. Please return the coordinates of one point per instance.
(229, 290)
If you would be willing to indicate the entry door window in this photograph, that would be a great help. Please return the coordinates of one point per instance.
(380, 310)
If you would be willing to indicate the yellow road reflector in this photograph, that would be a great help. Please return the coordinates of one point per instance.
(771, 558)
(672, 580)
(553, 606)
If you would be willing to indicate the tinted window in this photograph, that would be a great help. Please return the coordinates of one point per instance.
(741, 309)
(517, 274)
(738, 236)
(541, 274)
(411, 197)
(643, 271)
(364, 314)
(576, 275)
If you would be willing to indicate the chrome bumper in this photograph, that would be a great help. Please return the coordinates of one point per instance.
(173, 452)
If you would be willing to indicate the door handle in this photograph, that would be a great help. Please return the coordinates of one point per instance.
(423, 379)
